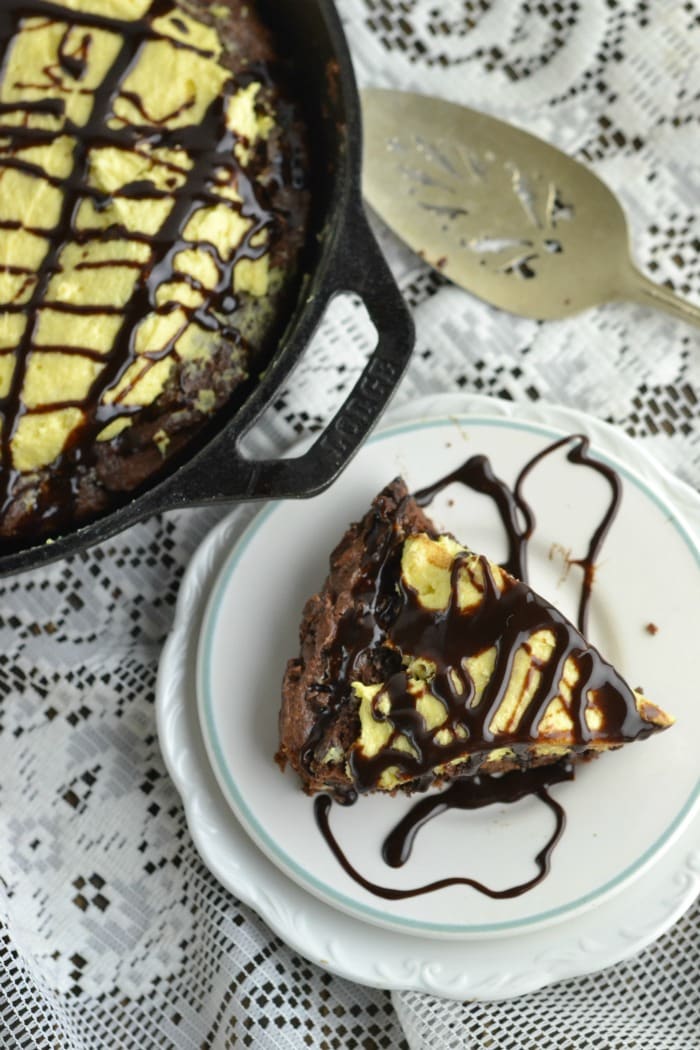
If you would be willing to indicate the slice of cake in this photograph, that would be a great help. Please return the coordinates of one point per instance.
(422, 661)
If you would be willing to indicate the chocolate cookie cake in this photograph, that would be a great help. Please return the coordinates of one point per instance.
(153, 206)
(422, 662)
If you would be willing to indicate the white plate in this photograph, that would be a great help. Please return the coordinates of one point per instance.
(487, 968)
(622, 811)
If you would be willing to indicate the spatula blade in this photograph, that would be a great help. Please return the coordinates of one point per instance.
(497, 210)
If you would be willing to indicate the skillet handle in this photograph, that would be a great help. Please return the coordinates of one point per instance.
(222, 473)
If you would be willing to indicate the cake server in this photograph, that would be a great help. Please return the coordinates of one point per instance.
(500, 212)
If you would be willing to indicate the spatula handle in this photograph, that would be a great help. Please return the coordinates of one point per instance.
(640, 289)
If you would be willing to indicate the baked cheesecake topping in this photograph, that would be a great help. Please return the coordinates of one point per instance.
(487, 671)
(132, 223)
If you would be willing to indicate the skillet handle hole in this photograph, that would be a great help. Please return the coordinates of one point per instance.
(318, 384)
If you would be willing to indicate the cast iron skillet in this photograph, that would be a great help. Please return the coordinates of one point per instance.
(345, 258)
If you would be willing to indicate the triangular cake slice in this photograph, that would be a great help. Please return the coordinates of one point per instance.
(422, 661)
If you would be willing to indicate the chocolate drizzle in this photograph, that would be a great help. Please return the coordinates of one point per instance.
(505, 620)
(461, 794)
(212, 168)
(385, 618)
(516, 515)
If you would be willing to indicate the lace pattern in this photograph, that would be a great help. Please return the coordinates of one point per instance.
(112, 932)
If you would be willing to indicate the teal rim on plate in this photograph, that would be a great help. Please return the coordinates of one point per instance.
(288, 863)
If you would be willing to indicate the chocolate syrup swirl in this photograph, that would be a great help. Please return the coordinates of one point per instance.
(461, 794)
(209, 146)
(392, 616)
(517, 517)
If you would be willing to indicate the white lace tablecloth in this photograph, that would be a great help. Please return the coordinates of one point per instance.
(112, 932)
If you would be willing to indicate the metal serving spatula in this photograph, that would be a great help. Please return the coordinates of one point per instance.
(499, 211)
